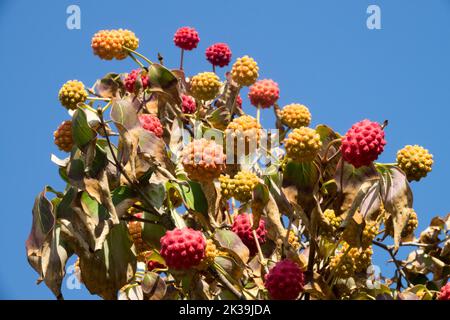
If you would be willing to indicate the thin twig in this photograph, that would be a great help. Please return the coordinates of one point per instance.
(227, 284)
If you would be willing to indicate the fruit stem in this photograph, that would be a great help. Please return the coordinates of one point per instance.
(138, 54)
(98, 99)
(258, 114)
(136, 60)
(88, 107)
(260, 254)
(181, 59)
(106, 107)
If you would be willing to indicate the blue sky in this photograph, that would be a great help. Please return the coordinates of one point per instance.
(320, 52)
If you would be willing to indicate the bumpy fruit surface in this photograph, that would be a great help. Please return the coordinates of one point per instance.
(333, 223)
(302, 144)
(218, 54)
(186, 38)
(205, 86)
(245, 71)
(203, 160)
(239, 101)
(245, 131)
(72, 93)
(408, 229)
(129, 40)
(242, 226)
(350, 260)
(63, 136)
(135, 231)
(295, 116)
(363, 143)
(264, 93)
(151, 123)
(415, 161)
(240, 187)
(285, 281)
(350, 234)
(293, 240)
(130, 80)
(182, 248)
(444, 293)
(188, 104)
(107, 44)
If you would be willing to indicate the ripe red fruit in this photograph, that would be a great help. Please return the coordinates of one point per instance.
(131, 78)
(218, 54)
(239, 101)
(151, 123)
(186, 38)
(152, 264)
(285, 280)
(363, 143)
(264, 93)
(188, 104)
(242, 226)
(183, 248)
(444, 294)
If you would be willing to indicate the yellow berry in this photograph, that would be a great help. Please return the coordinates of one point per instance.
(415, 161)
(245, 71)
(303, 144)
(205, 86)
(295, 116)
(72, 93)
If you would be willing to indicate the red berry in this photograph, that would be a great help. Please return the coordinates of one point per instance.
(363, 143)
(152, 264)
(218, 54)
(186, 38)
(285, 280)
(444, 294)
(242, 226)
(188, 105)
(183, 248)
(131, 78)
(264, 93)
(151, 123)
(239, 101)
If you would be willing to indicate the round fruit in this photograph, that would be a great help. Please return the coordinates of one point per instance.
(242, 226)
(285, 281)
(183, 248)
(245, 71)
(152, 124)
(350, 260)
(130, 41)
(188, 104)
(444, 293)
(130, 80)
(186, 38)
(363, 143)
(415, 161)
(63, 136)
(295, 116)
(302, 144)
(203, 160)
(264, 93)
(293, 240)
(218, 54)
(408, 229)
(205, 86)
(245, 131)
(240, 187)
(107, 44)
(135, 231)
(72, 93)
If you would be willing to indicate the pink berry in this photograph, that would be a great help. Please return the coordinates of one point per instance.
(285, 281)
(242, 226)
(363, 143)
(130, 80)
(152, 124)
(264, 93)
(444, 294)
(186, 38)
(218, 54)
(188, 104)
(183, 248)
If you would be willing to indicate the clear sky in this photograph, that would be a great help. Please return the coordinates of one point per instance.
(320, 52)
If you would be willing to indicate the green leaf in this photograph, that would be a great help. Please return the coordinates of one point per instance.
(82, 133)
(230, 240)
(124, 113)
(193, 197)
(161, 76)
